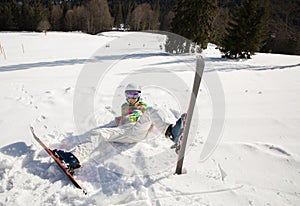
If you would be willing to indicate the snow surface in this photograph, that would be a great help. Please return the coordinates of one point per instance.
(257, 161)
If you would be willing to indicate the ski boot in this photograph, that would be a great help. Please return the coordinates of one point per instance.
(68, 159)
(174, 132)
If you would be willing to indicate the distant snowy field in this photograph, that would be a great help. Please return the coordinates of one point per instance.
(257, 161)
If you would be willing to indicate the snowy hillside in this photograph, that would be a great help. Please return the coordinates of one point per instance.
(257, 158)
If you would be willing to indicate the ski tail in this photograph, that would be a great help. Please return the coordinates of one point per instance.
(187, 124)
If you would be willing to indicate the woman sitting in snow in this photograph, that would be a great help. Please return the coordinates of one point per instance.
(132, 126)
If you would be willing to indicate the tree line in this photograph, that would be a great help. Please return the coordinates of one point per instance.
(91, 16)
(265, 26)
(238, 27)
(241, 27)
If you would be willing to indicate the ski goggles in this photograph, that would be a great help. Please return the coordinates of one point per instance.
(132, 94)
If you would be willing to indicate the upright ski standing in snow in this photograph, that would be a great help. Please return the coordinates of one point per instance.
(188, 119)
(68, 172)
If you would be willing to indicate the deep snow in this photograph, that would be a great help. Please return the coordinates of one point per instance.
(256, 162)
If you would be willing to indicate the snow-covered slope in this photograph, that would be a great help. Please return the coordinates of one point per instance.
(256, 162)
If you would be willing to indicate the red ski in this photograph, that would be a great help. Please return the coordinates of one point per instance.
(58, 162)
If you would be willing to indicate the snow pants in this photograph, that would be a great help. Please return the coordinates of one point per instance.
(128, 133)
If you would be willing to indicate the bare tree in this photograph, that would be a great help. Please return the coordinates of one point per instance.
(56, 18)
(70, 20)
(99, 18)
(81, 19)
(165, 22)
(141, 17)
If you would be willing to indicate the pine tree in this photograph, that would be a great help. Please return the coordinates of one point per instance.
(38, 13)
(16, 15)
(26, 20)
(127, 17)
(245, 32)
(193, 20)
(7, 17)
(219, 25)
(44, 26)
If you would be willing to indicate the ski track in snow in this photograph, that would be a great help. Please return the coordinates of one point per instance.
(256, 163)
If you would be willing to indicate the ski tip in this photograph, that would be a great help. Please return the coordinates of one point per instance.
(199, 62)
(31, 128)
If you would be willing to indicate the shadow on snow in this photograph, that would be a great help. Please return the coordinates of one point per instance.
(106, 179)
